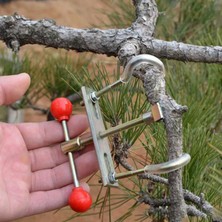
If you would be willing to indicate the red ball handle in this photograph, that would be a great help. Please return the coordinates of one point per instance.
(61, 108)
(80, 200)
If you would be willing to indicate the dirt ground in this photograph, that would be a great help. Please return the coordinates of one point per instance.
(74, 13)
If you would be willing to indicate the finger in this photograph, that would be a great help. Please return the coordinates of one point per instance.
(43, 201)
(50, 157)
(46, 158)
(13, 87)
(42, 134)
(61, 176)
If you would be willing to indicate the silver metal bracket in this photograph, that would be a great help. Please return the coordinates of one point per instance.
(81, 141)
(99, 135)
(101, 144)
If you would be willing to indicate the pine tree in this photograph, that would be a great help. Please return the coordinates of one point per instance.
(191, 81)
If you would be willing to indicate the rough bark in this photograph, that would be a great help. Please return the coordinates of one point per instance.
(154, 85)
(17, 31)
(199, 208)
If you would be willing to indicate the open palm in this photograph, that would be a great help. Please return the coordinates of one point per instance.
(35, 176)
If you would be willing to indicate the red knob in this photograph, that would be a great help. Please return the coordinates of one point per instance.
(80, 200)
(61, 108)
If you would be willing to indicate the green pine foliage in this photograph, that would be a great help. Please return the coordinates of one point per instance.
(50, 74)
(197, 86)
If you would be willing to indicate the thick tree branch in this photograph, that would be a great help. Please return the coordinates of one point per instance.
(146, 16)
(17, 31)
(183, 52)
(154, 85)
(45, 32)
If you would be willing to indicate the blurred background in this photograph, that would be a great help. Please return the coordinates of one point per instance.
(57, 73)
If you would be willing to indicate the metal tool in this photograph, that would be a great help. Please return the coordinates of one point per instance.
(79, 200)
(128, 72)
(161, 168)
(81, 141)
(101, 143)
(61, 109)
(99, 134)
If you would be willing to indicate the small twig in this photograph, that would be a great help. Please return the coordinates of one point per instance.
(16, 106)
(36, 108)
(200, 202)
(120, 151)
(75, 97)
(154, 178)
(163, 211)
(205, 206)
(145, 198)
(193, 211)
(134, 2)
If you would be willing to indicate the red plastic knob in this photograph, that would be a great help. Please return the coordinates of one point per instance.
(61, 108)
(80, 200)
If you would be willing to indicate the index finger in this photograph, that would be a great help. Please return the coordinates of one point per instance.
(13, 87)
(41, 134)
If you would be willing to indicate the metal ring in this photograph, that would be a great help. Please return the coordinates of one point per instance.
(137, 60)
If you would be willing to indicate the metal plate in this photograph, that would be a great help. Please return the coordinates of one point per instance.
(101, 144)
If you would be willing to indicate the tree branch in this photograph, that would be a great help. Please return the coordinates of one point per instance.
(146, 16)
(183, 52)
(154, 85)
(154, 178)
(205, 206)
(200, 202)
(45, 32)
(17, 31)
(145, 198)
(163, 205)
(193, 211)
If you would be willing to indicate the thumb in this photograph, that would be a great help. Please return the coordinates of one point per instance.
(13, 87)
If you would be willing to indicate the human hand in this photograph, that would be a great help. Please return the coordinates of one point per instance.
(35, 176)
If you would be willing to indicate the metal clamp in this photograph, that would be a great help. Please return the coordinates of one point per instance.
(99, 134)
(81, 141)
(161, 168)
(128, 72)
